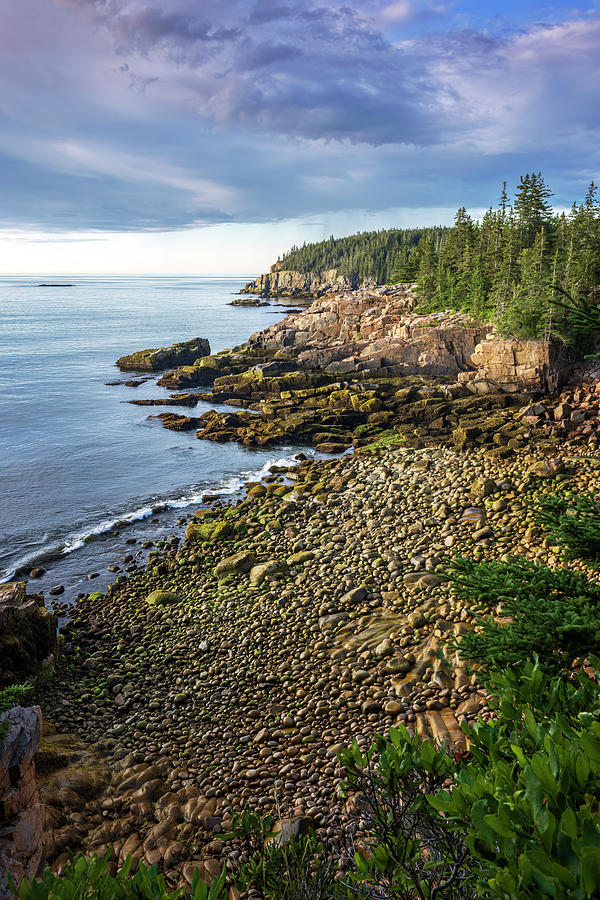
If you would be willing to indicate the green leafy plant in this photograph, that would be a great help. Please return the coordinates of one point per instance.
(91, 879)
(251, 829)
(572, 523)
(553, 614)
(518, 818)
(296, 868)
(529, 793)
(405, 848)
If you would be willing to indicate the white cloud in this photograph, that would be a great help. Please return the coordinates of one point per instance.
(131, 114)
(397, 12)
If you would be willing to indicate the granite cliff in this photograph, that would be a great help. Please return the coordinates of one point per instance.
(287, 283)
(378, 329)
(21, 812)
(364, 364)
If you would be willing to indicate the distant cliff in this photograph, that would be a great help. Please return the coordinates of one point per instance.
(288, 283)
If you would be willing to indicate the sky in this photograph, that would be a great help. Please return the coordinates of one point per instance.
(208, 136)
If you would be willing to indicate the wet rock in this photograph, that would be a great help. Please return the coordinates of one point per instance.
(241, 562)
(156, 360)
(27, 632)
(262, 571)
(162, 598)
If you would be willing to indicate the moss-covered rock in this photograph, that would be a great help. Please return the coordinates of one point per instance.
(162, 598)
(301, 557)
(27, 632)
(213, 531)
(238, 563)
(269, 569)
(156, 359)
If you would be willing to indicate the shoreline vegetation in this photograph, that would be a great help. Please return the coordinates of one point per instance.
(373, 674)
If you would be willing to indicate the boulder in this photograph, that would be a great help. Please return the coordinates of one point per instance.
(482, 487)
(399, 665)
(238, 563)
(162, 598)
(290, 829)
(515, 365)
(215, 532)
(356, 595)
(332, 448)
(27, 632)
(158, 359)
(301, 557)
(265, 570)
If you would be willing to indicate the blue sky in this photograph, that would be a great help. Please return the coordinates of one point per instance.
(208, 135)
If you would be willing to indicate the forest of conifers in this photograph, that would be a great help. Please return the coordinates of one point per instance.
(516, 267)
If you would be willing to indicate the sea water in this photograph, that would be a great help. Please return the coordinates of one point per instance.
(77, 461)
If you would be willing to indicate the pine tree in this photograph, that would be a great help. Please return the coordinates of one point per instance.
(509, 268)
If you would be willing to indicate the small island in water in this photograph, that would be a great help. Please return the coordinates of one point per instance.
(375, 673)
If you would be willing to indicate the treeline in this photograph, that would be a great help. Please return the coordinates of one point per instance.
(517, 267)
(370, 254)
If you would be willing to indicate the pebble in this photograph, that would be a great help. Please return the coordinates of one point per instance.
(245, 689)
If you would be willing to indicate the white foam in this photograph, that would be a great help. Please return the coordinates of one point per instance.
(283, 461)
(75, 541)
(228, 486)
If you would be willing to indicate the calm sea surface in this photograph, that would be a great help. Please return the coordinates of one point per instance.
(77, 462)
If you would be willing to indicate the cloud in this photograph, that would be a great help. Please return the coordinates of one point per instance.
(366, 89)
(397, 12)
(128, 114)
(536, 88)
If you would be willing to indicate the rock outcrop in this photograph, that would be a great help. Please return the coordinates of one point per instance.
(27, 632)
(374, 329)
(288, 283)
(573, 415)
(161, 358)
(377, 329)
(513, 365)
(21, 812)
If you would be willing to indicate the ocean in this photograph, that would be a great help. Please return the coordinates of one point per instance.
(82, 471)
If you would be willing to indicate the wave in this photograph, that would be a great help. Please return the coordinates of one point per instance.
(72, 542)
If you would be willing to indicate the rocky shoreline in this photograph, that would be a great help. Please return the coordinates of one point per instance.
(234, 666)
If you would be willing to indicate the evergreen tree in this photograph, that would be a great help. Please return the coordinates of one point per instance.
(508, 269)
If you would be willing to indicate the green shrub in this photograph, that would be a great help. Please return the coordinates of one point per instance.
(573, 524)
(529, 796)
(407, 849)
(293, 869)
(553, 614)
(90, 879)
(518, 818)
